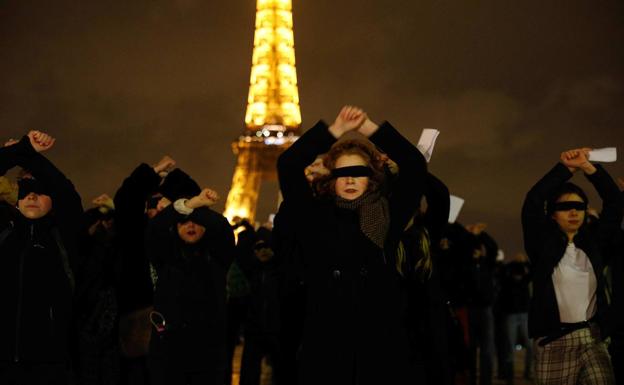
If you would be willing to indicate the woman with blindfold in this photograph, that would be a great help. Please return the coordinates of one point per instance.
(347, 235)
(38, 252)
(566, 315)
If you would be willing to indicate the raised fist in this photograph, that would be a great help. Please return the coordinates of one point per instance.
(577, 159)
(349, 118)
(207, 197)
(104, 201)
(40, 141)
(164, 165)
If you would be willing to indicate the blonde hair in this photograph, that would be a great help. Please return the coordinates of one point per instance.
(424, 267)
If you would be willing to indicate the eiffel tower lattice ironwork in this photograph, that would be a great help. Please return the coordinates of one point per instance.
(273, 115)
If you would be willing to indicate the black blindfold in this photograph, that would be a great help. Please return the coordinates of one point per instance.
(30, 185)
(352, 171)
(569, 205)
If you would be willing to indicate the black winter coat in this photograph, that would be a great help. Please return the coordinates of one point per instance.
(545, 244)
(355, 326)
(135, 287)
(427, 303)
(190, 290)
(37, 279)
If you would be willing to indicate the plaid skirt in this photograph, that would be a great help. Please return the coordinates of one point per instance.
(580, 357)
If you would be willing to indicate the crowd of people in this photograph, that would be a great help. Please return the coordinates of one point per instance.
(359, 279)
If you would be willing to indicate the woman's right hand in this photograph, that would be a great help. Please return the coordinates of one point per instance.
(578, 159)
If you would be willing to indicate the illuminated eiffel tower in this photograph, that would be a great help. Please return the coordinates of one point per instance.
(273, 116)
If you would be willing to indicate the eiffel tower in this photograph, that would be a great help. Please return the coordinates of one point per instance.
(273, 115)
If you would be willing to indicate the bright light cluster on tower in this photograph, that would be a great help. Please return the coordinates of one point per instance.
(273, 96)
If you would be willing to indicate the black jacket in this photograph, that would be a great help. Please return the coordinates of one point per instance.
(545, 244)
(515, 295)
(354, 330)
(190, 291)
(38, 259)
(428, 312)
(135, 288)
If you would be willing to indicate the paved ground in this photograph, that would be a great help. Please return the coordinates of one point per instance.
(266, 371)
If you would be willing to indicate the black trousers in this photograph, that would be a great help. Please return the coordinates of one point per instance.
(33, 373)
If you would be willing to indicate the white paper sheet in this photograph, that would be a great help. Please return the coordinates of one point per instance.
(456, 205)
(427, 142)
(608, 154)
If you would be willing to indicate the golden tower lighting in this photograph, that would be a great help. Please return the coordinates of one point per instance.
(273, 115)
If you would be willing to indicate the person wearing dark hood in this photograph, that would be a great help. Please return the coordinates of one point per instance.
(135, 202)
(354, 331)
(616, 310)
(38, 252)
(292, 290)
(481, 294)
(262, 321)
(428, 312)
(568, 307)
(191, 247)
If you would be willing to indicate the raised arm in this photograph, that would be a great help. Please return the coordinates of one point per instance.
(612, 203)
(438, 206)
(292, 163)
(130, 199)
(409, 186)
(65, 200)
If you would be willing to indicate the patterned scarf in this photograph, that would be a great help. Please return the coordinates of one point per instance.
(373, 212)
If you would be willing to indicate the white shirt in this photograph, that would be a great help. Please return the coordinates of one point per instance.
(575, 286)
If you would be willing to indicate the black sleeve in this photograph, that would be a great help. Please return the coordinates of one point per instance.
(491, 248)
(12, 156)
(292, 162)
(612, 205)
(534, 219)
(407, 189)
(438, 207)
(66, 202)
(130, 200)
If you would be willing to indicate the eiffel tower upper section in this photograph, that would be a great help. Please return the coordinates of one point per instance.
(273, 101)
(273, 116)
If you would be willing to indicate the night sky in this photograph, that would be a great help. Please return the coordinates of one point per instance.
(509, 85)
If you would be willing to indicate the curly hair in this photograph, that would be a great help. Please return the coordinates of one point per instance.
(366, 150)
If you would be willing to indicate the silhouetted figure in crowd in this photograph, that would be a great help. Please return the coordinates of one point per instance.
(97, 313)
(616, 311)
(38, 253)
(191, 248)
(263, 319)
(238, 289)
(514, 303)
(481, 295)
(428, 313)
(135, 202)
